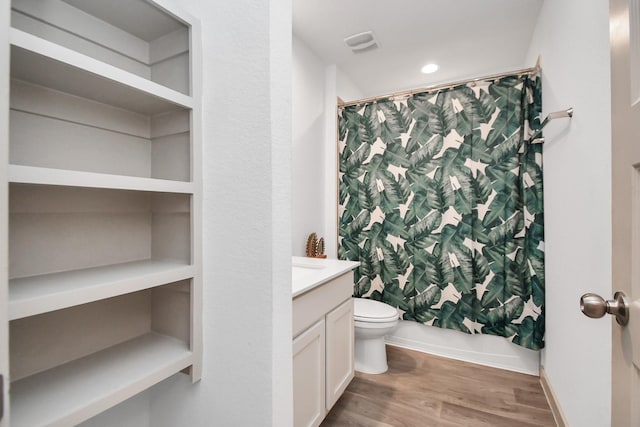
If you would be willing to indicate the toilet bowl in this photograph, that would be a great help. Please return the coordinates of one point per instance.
(373, 320)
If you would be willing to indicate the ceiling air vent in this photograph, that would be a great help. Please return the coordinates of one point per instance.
(362, 42)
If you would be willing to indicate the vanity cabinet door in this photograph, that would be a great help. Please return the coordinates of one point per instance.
(309, 376)
(340, 351)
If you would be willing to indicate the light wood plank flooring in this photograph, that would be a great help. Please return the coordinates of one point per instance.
(422, 390)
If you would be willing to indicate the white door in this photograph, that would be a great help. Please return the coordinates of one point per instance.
(625, 123)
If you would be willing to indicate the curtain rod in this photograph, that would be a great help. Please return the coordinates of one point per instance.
(530, 70)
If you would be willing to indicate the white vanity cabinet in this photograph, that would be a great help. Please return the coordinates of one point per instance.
(102, 291)
(323, 331)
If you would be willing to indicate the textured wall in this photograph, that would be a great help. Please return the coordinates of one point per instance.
(246, 221)
(573, 42)
(308, 162)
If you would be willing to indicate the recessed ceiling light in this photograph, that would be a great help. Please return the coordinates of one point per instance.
(429, 68)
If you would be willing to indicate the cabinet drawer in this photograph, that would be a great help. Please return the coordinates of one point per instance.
(312, 305)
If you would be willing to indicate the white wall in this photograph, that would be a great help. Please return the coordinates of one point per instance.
(247, 239)
(308, 162)
(246, 377)
(316, 87)
(134, 412)
(346, 88)
(573, 41)
(337, 85)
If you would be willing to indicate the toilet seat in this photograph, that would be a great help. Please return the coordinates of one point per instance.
(371, 311)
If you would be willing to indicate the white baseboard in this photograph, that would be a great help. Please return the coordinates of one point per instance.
(556, 410)
(485, 350)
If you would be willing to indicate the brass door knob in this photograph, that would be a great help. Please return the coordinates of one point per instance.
(593, 305)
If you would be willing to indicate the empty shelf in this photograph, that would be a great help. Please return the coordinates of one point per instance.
(78, 390)
(29, 296)
(48, 176)
(48, 64)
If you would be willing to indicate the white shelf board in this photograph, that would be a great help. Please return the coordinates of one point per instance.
(47, 64)
(142, 19)
(29, 296)
(48, 176)
(78, 390)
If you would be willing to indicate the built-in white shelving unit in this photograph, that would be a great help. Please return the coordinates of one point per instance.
(104, 276)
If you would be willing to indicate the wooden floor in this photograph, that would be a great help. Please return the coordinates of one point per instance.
(421, 390)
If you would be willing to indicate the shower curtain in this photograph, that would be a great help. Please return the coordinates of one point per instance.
(440, 199)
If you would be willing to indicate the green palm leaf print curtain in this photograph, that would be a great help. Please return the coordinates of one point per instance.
(440, 199)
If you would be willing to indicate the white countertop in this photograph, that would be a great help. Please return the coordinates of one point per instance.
(307, 273)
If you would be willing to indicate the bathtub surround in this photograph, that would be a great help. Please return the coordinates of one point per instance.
(441, 202)
(487, 350)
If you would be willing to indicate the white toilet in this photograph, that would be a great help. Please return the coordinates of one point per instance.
(373, 320)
